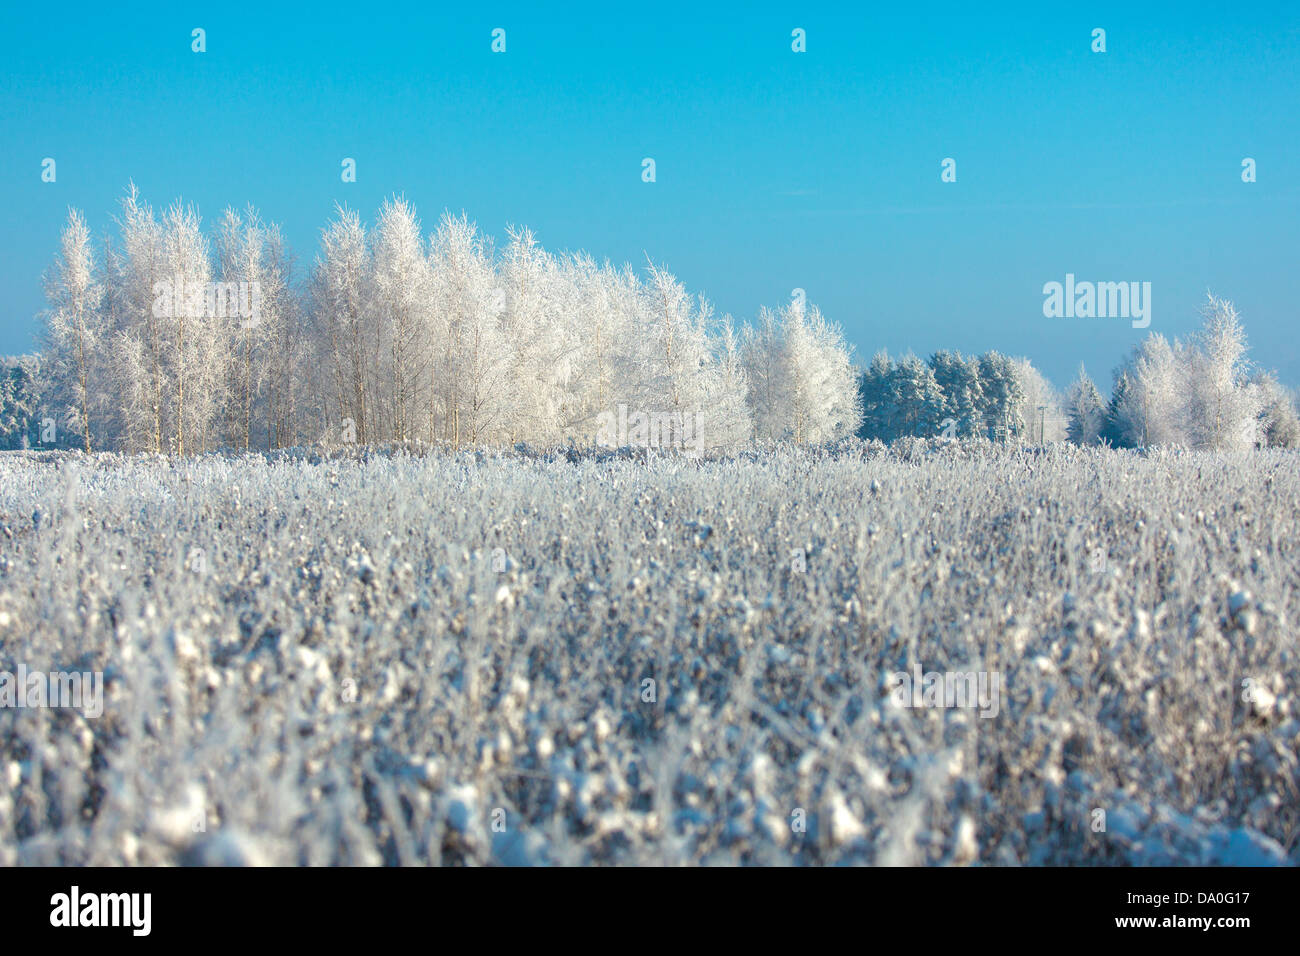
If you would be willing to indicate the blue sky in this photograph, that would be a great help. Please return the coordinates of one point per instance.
(775, 170)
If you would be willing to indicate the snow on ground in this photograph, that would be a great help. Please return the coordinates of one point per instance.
(375, 658)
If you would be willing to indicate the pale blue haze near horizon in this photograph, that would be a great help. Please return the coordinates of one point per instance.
(775, 169)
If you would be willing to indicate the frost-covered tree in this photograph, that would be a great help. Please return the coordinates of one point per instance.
(958, 377)
(525, 296)
(827, 403)
(589, 355)
(290, 339)
(802, 371)
(1156, 406)
(469, 398)
(197, 346)
(140, 376)
(726, 423)
(402, 286)
(487, 397)
(801, 381)
(1001, 396)
(1118, 426)
(673, 345)
(875, 399)
(1225, 405)
(1200, 394)
(1044, 419)
(253, 266)
(74, 324)
(1085, 410)
(397, 337)
(20, 398)
(342, 300)
(1279, 422)
(919, 405)
(763, 358)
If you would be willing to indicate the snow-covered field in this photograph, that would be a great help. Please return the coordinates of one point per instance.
(314, 659)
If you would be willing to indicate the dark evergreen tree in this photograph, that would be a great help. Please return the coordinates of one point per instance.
(958, 378)
(918, 401)
(1002, 398)
(1115, 431)
(19, 400)
(874, 387)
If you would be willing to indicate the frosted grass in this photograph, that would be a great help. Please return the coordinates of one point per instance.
(325, 659)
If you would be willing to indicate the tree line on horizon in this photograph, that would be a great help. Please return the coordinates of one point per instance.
(395, 336)
(398, 336)
(1203, 394)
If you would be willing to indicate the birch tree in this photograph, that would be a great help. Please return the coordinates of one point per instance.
(762, 355)
(403, 292)
(673, 344)
(74, 325)
(1279, 421)
(521, 296)
(1226, 407)
(1042, 406)
(725, 422)
(821, 383)
(341, 297)
(194, 334)
(289, 354)
(464, 372)
(140, 376)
